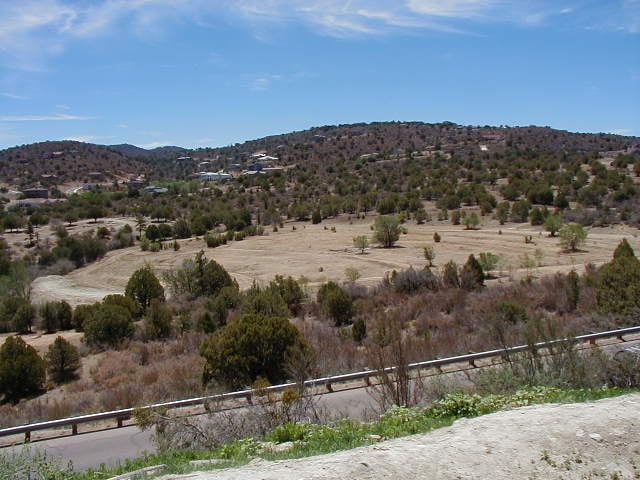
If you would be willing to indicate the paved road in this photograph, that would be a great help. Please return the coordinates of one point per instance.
(115, 445)
(92, 449)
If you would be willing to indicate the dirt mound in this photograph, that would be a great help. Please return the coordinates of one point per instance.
(589, 440)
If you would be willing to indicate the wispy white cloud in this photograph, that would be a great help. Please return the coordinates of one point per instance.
(14, 96)
(31, 31)
(264, 82)
(42, 118)
(622, 131)
(89, 138)
(162, 143)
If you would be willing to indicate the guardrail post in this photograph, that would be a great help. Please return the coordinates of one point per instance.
(74, 429)
(27, 437)
(119, 422)
(620, 338)
(367, 381)
(472, 362)
(249, 399)
(593, 342)
(328, 387)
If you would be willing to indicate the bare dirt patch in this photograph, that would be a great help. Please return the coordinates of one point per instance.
(320, 254)
(578, 441)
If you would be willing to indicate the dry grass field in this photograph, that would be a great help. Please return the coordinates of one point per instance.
(320, 254)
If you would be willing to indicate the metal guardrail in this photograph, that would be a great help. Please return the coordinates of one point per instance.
(327, 382)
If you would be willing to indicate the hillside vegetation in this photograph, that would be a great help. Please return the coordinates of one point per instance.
(189, 325)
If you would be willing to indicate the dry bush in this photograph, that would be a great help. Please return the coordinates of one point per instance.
(266, 411)
(337, 353)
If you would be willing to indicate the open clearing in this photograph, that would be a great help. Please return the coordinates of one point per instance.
(319, 254)
(577, 441)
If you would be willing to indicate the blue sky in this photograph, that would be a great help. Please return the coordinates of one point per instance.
(211, 73)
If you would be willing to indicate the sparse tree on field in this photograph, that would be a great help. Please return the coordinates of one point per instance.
(62, 360)
(488, 261)
(387, 230)
(141, 224)
(502, 212)
(144, 286)
(552, 224)
(352, 274)
(472, 221)
(429, 254)
(361, 242)
(572, 237)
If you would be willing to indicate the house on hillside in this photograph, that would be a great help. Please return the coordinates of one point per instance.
(35, 192)
(153, 189)
(213, 176)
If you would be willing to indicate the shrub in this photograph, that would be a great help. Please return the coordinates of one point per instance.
(411, 280)
(336, 303)
(56, 316)
(572, 237)
(157, 320)
(472, 221)
(472, 276)
(143, 286)
(199, 277)
(80, 315)
(552, 224)
(450, 275)
(618, 282)
(264, 301)
(127, 302)
(359, 330)
(251, 347)
(213, 240)
(429, 254)
(361, 242)
(22, 371)
(386, 230)
(108, 325)
(62, 361)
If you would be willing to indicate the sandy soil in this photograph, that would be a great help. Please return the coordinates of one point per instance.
(578, 441)
(317, 253)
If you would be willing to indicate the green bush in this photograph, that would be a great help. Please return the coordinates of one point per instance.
(62, 360)
(251, 347)
(336, 303)
(108, 325)
(22, 371)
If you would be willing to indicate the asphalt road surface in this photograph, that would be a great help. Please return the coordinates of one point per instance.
(112, 446)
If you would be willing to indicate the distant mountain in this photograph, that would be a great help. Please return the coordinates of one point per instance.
(133, 151)
(347, 146)
(338, 143)
(55, 163)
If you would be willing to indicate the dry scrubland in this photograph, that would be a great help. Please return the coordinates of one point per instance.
(319, 254)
